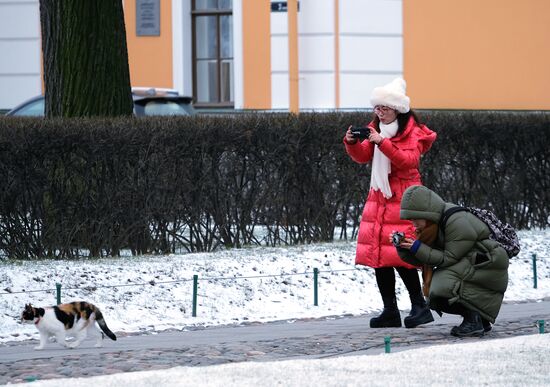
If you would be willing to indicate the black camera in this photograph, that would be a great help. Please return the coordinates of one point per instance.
(397, 238)
(360, 133)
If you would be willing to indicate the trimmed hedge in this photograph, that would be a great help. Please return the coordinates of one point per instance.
(95, 187)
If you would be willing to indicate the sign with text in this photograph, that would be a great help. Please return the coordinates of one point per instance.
(281, 6)
(147, 17)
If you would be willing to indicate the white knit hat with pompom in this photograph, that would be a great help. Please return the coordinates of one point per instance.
(392, 95)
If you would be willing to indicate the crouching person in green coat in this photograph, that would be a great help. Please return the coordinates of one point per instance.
(470, 271)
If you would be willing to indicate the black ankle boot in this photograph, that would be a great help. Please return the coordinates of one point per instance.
(471, 326)
(390, 317)
(420, 311)
(420, 314)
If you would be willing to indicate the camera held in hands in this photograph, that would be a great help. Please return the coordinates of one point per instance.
(360, 133)
(397, 238)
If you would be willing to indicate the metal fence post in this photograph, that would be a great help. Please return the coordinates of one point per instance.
(58, 292)
(195, 286)
(315, 287)
(387, 346)
(535, 271)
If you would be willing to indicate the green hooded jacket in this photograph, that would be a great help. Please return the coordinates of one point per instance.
(469, 268)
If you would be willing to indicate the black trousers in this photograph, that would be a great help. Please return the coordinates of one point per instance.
(385, 278)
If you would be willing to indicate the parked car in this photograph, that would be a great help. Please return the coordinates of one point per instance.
(148, 101)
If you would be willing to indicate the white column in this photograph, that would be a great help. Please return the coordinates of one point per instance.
(238, 76)
(182, 52)
(279, 60)
(20, 52)
(371, 48)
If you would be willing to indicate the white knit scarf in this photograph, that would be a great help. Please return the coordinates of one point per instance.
(381, 165)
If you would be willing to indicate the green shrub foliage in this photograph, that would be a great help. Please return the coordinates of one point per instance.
(96, 187)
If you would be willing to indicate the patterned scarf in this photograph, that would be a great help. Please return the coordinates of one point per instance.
(427, 236)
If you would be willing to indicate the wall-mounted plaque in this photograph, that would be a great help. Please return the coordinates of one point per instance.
(147, 17)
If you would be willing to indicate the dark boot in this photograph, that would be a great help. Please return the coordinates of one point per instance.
(471, 325)
(390, 317)
(420, 314)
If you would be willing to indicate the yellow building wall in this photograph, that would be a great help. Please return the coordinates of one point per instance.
(256, 54)
(477, 54)
(150, 57)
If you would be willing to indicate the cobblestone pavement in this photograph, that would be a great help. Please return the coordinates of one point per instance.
(315, 338)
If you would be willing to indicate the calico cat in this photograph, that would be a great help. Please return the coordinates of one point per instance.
(73, 319)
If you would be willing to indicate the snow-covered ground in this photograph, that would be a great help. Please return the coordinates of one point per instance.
(234, 286)
(517, 361)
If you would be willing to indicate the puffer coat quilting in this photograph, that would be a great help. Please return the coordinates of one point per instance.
(380, 215)
(469, 267)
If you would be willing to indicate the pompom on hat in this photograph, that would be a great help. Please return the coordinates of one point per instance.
(392, 95)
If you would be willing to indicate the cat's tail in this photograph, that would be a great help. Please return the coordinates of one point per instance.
(103, 325)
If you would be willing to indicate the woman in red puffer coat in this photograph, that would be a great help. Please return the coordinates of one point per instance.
(394, 146)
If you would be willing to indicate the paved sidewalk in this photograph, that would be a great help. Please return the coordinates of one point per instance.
(315, 338)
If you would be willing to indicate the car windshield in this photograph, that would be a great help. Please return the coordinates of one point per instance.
(164, 107)
(34, 108)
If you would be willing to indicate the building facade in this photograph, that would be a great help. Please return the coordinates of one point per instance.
(314, 54)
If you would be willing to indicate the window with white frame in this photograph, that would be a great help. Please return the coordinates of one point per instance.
(213, 52)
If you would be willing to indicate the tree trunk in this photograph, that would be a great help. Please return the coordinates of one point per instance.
(86, 70)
